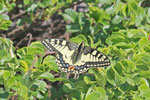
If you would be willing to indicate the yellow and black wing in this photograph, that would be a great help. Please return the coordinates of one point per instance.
(88, 58)
(94, 58)
(64, 50)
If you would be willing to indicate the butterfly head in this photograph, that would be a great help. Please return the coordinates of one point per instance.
(82, 44)
(81, 47)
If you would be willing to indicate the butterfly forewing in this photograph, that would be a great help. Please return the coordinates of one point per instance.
(59, 45)
(64, 50)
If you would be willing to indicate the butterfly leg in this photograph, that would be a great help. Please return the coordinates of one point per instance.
(76, 75)
(68, 74)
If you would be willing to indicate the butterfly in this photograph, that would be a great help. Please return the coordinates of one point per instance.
(71, 57)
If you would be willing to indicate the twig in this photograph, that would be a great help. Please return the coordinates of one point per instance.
(66, 36)
(3, 35)
(15, 30)
(49, 53)
(49, 91)
(75, 4)
(20, 14)
(36, 58)
(30, 38)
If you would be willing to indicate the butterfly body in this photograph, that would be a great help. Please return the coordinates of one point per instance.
(75, 58)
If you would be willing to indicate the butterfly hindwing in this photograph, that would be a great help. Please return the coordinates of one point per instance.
(95, 58)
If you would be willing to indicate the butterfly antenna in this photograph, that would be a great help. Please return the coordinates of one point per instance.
(96, 47)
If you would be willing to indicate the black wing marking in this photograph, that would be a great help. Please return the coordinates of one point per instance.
(95, 58)
(64, 66)
(59, 45)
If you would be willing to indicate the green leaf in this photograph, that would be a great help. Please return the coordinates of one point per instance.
(20, 22)
(118, 52)
(124, 87)
(67, 87)
(128, 65)
(29, 58)
(117, 19)
(110, 10)
(142, 60)
(79, 38)
(143, 42)
(148, 12)
(98, 14)
(118, 6)
(3, 54)
(116, 38)
(130, 81)
(37, 44)
(36, 48)
(144, 91)
(124, 10)
(133, 5)
(102, 92)
(24, 65)
(4, 25)
(23, 91)
(145, 74)
(140, 81)
(41, 85)
(93, 96)
(4, 95)
(138, 20)
(11, 82)
(70, 14)
(104, 1)
(32, 8)
(62, 80)
(46, 3)
(96, 44)
(4, 17)
(136, 33)
(111, 76)
(51, 63)
(86, 27)
(88, 80)
(100, 76)
(46, 75)
(1, 6)
(22, 52)
(6, 75)
(124, 45)
(26, 2)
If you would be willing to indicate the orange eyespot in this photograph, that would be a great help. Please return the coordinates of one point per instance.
(70, 67)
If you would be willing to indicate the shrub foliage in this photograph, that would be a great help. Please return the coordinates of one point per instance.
(119, 28)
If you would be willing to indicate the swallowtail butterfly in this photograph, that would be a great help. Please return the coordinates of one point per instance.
(75, 58)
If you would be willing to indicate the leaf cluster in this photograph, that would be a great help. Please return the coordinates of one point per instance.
(118, 28)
